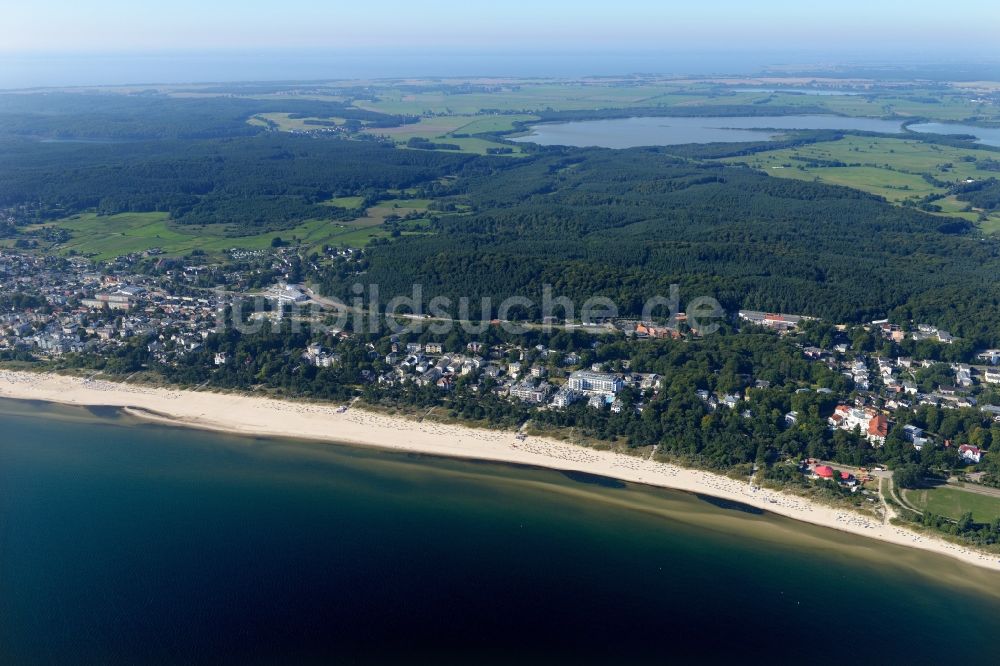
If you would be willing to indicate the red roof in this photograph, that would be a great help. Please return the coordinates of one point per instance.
(824, 471)
(878, 426)
(845, 476)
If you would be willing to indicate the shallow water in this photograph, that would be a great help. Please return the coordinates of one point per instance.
(123, 542)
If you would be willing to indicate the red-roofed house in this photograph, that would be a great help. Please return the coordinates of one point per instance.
(878, 428)
(971, 454)
(873, 426)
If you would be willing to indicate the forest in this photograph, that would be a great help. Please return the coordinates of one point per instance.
(627, 224)
(254, 183)
(152, 116)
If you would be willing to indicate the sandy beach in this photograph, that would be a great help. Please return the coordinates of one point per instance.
(249, 415)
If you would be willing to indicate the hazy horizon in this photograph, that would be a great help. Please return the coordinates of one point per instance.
(53, 70)
(60, 43)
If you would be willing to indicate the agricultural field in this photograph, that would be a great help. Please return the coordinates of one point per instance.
(953, 107)
(105, 237)
(891, 168)
(427, 128)
(517, 97)
(952, 503)
(429, 99)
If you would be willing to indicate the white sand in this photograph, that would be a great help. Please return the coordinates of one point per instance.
(263, 416)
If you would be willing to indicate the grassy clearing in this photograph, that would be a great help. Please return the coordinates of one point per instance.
(285, 123)
(105, 237)
(952, 503)
(350, 203)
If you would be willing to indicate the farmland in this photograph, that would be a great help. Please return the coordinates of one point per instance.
(901, 170)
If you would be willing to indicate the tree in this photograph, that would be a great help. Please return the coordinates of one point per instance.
(908, 476)
(965, 522)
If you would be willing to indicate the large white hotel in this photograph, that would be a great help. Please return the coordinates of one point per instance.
(594, 382)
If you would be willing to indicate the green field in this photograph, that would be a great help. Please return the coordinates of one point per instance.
(519, 96)
(105, 237)
(350, 203)
(286, 124)
(891, 168)
(953, 503)
(441, 129)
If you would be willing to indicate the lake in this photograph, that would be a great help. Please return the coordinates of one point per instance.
(123, 542)
(667, 131)
(989, 136)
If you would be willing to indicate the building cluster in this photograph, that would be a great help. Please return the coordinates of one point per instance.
(775, 321)
(504, 370)
(883, 385)
(897, 333)
(54, 306)
(73, 308)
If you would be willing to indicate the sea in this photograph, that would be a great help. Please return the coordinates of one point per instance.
(123, 542)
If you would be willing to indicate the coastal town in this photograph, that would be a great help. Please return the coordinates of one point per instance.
(61, 308)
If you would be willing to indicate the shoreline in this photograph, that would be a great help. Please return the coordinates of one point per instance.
(268, 417)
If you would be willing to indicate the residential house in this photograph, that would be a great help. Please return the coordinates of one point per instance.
(972, 454)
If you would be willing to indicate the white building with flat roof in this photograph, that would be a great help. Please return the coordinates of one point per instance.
(594, 382)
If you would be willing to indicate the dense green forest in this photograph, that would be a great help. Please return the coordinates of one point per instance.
(252, 183)
(627, 224)
(983, 194)
(137, 117)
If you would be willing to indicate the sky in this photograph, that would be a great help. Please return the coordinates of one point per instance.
(207, 39)
(114, 25)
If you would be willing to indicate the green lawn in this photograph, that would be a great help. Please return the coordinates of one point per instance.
(952, 503)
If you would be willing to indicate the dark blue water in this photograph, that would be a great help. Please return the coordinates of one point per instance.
(123, 543)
